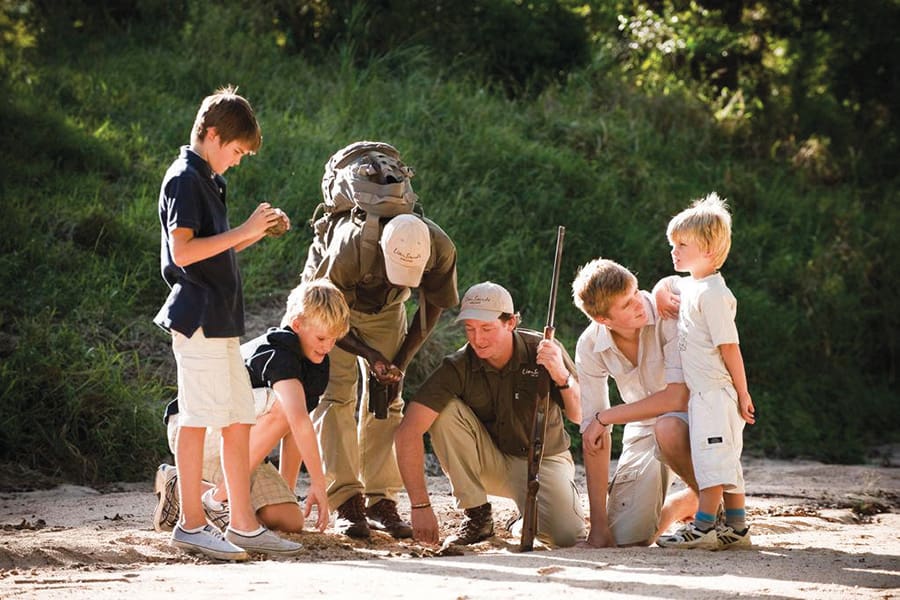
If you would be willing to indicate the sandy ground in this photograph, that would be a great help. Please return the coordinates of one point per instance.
(820, 531)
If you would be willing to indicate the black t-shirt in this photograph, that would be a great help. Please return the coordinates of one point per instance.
(206, 293)
(276, 356)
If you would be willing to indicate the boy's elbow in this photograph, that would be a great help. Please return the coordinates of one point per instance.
(180, 258)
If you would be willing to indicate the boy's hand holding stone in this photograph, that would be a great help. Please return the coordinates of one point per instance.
(281, 226)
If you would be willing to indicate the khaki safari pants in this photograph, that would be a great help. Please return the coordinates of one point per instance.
(637, 491)
(359, 456)
(477, 468)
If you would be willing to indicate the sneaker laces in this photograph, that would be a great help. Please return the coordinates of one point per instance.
(214, 532)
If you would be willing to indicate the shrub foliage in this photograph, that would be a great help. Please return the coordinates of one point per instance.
(603, 117)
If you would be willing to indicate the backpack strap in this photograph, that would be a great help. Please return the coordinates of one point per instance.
(369, 237)
(423, 318)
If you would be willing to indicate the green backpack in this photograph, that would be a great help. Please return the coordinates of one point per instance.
(366, 182)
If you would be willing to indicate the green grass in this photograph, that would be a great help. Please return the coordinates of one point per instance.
(84, 373)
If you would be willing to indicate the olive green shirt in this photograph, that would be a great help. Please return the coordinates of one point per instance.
(371, 292)
(503, 400)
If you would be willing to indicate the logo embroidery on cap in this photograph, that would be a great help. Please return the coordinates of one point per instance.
(477, 300)
(407, 257)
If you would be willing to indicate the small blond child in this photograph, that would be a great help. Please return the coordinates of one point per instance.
(720, 403)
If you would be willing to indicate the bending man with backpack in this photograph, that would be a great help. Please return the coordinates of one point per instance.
(409, 251)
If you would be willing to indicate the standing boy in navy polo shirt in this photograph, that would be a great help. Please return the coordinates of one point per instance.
(204, 313)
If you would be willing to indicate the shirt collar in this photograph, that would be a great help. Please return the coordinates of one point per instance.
(197, 162)
(603, 338)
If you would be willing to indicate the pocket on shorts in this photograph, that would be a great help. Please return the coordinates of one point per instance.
(709, 422)
(620, 489)
(625, 476)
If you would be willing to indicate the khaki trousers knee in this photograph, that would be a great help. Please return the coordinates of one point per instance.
(358, 454)
(476, 468)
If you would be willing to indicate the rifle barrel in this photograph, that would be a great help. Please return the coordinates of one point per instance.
(554, 285)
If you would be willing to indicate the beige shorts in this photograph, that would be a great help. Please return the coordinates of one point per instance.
(267, 486)
(637, 492)
(213, 384)
(717, 439)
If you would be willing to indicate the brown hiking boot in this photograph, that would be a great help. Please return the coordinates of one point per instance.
(351, 518)
(477, 525)
(383, 517)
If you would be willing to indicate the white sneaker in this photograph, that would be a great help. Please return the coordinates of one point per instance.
(217, 515)
(265, 542)
(208, 541)
(165, 485)
(729, 538)
(689, 536)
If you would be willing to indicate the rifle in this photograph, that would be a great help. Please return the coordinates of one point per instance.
(539, 420)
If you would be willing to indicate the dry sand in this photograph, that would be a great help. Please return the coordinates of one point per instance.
(819, 531)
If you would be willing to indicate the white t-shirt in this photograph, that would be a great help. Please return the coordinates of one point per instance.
(705, 322)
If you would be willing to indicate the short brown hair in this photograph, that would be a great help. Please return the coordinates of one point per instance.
(231, 115)
(598, 284)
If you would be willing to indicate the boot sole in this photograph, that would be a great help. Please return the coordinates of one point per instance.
(201, 550)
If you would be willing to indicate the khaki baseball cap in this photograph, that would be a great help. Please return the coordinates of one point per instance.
(485, 301)
(406, 244)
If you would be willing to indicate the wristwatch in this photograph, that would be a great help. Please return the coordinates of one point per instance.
(569, 381)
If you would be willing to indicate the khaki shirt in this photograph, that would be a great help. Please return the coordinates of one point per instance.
(503, 400)
(371, 292)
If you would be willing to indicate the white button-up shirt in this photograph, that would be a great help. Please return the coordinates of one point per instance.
(598, 358)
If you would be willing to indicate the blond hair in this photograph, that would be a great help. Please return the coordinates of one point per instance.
(598, 284)
(321, 304)
(708, 223)
(231, 115)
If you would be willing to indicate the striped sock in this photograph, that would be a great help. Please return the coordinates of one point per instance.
(704, 521)
(736, 518)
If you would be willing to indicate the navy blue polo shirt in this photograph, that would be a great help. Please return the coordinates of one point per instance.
(206, 293)
(276, 355)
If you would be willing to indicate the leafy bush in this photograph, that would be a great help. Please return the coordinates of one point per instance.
(76, 405)
(520, 45)
(96, 121)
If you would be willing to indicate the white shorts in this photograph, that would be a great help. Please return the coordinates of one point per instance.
(267, 486)
(637, 492)
(717, 439)
(213, 384)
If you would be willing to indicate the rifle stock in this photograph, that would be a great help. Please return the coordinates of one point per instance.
(539, 419)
